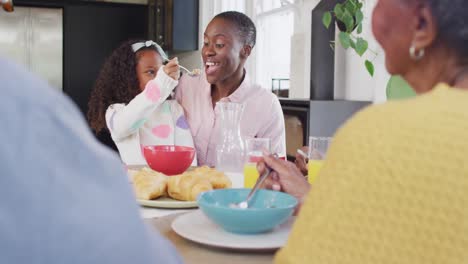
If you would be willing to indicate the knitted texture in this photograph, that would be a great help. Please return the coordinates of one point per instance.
(394, 188)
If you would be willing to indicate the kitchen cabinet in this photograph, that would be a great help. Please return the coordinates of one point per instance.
(91, 32)
(174, 24)
(88, 32)
(33, 38)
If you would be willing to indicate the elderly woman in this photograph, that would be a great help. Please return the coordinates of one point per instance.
(394, 186)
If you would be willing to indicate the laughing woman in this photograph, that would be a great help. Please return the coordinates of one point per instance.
(228, 41)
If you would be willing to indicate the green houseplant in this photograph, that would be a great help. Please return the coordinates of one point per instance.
(348, 16)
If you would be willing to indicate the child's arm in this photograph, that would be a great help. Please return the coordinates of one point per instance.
(124, 120)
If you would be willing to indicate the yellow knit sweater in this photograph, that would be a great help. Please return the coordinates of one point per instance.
(394, 188)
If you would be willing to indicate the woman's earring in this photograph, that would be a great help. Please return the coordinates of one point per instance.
(416, 55)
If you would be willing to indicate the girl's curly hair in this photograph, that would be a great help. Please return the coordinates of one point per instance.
(117, 82)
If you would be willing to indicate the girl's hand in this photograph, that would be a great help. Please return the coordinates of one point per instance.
(172, 69)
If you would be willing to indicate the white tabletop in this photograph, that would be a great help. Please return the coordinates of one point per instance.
(147, 212)
(197, 253)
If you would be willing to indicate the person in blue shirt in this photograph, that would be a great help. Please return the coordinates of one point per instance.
(64, 197)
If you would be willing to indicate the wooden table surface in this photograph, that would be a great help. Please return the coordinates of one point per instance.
(194, 253)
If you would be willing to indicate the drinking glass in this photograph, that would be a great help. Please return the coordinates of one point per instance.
(254, 153)
(318, 147)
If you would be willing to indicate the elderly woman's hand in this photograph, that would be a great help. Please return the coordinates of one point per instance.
(172, 69)
(301, 161)
(285, 176)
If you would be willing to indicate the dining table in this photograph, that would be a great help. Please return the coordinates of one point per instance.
(192, 252)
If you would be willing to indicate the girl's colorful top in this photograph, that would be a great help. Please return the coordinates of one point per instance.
(149, 119)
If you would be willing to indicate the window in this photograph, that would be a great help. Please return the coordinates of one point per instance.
(275, 25)
(270, 62)
(228, 5)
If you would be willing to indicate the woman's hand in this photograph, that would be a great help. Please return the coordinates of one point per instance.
(285, 176)
(172, 69)
(301, 161)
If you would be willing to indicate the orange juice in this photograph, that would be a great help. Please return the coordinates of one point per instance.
(250, 174)
(313, 168)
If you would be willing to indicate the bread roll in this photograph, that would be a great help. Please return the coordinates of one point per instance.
(217, 178)
(186, 187)
(149, 184)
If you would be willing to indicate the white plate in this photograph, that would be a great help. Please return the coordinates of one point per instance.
(166, 202)
(195, 226)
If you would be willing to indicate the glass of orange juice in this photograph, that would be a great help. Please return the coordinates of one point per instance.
(318, 147)
(254, 153)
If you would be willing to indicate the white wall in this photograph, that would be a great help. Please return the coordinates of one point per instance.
(355, 82)
(300, 50)
(352, 82)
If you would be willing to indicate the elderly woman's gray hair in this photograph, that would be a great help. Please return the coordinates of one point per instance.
(452, 24)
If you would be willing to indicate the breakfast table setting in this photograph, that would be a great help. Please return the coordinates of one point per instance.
(193, 252)
(225, 221)
(218, 213)
(201, 236)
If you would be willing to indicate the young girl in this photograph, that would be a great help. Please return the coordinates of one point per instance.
(130, 99)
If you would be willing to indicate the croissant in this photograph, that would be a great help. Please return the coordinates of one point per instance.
(149, 184)
(217, 178)
(186, 187)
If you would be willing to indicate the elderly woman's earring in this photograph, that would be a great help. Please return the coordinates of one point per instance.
(416, 55)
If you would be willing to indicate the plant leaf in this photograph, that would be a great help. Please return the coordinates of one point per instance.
(359, 29)
(369, 67)
(359, 4)
(326, 19)
(348, 20)
(352, 44)
(350, 6)
(338, 10)
(359, 16)
(398, 88)
(344, 39)
(361, 46)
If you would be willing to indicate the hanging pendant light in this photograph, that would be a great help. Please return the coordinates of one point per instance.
(7, 5)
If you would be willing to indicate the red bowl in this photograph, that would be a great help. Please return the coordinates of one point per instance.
(170, 160)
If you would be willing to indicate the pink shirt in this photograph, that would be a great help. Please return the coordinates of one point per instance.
(263, 116)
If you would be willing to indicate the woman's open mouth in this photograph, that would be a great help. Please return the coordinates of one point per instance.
(211, 67)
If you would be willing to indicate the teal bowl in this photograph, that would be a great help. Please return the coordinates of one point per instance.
(267, 209)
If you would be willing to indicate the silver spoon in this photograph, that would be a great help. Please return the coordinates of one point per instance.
(245, 204)
(193, 73)
(302, 153)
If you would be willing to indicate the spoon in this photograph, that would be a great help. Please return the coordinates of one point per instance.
(245, 204)
(302, 153)
(193, 73)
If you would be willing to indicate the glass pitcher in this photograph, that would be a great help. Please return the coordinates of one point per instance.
(230, 147)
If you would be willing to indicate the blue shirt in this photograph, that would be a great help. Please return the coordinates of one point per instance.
(64, 198)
